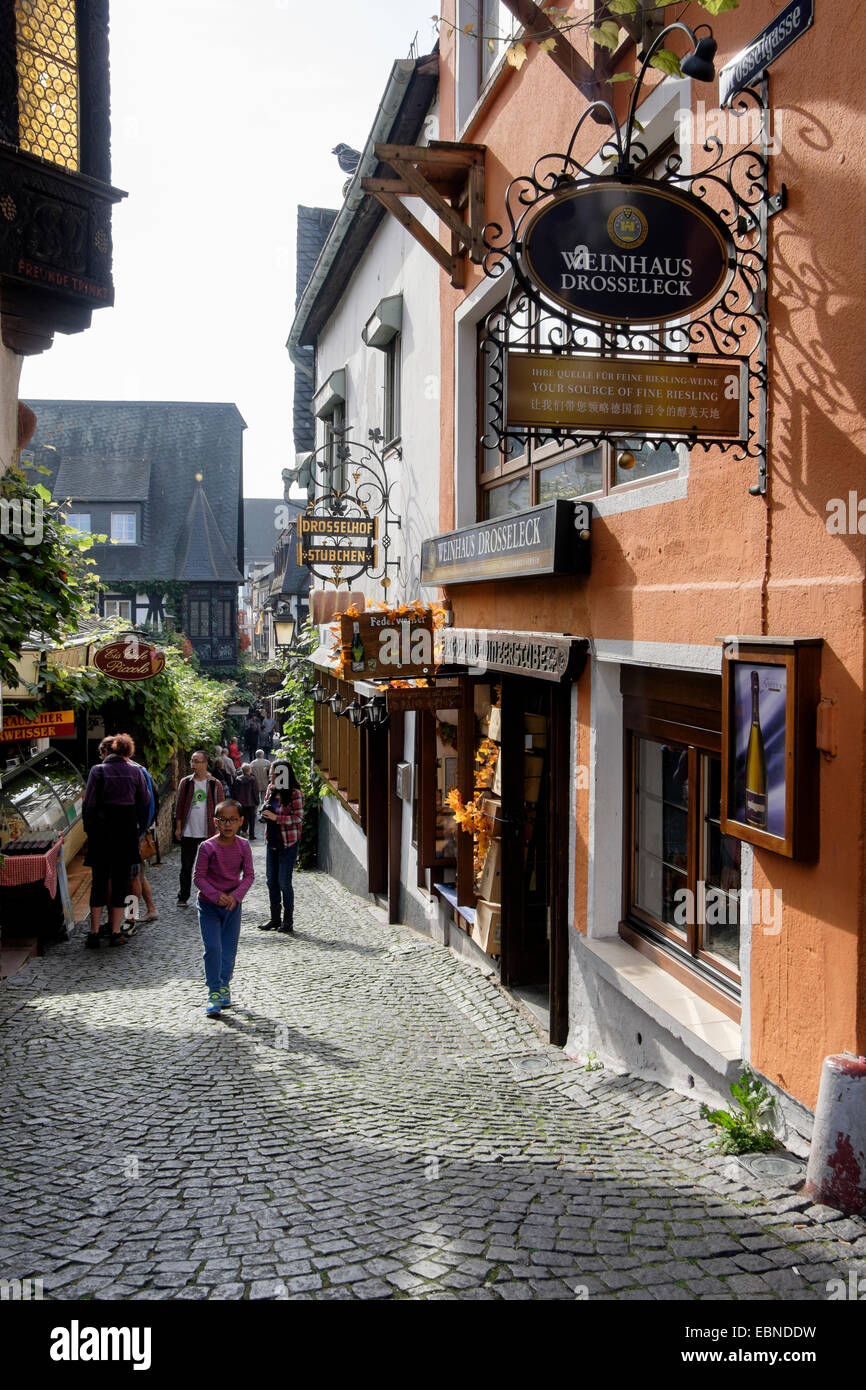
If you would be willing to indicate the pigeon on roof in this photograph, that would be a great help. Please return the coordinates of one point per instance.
(347, 158)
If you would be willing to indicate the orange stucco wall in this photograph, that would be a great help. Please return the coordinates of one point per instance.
(721, 561)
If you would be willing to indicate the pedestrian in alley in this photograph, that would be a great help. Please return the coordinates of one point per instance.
(139, 887)
(234, 753)
(251, 735)
(223, 766)
(283, 813)
(261, 770)
(246, 792)
(198, 796)
(267, 735)
(115, 812)
(223, 875)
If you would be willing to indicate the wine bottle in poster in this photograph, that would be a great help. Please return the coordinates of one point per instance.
(756, 767)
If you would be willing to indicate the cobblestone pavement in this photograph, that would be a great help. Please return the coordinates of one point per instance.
(372, 1120)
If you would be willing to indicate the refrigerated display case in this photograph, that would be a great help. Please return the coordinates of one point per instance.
(43, 794)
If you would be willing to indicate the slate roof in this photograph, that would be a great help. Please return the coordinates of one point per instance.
(91, 479)
(314, 224)
(260, 533)
(296, 578)
(201, 551)
(111, 440)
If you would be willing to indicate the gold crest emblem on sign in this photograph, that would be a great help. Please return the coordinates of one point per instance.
(626, 226)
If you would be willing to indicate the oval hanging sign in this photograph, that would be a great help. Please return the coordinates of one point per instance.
(129, 660)
(635, 252)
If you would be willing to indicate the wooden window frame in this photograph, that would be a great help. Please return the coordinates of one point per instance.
(391, 421)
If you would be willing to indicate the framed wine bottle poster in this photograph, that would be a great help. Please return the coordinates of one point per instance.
(769, 758)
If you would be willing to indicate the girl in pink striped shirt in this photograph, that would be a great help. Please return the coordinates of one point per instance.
(223, 875)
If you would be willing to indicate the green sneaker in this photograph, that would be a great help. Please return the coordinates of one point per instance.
(226, 998)
(214, 1004)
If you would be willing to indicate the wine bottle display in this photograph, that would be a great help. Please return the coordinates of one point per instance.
(357, 649)
(756, 767)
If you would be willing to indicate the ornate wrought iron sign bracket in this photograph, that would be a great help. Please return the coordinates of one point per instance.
(638, 306)
(351, 515)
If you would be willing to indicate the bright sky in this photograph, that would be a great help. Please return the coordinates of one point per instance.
(224, 115)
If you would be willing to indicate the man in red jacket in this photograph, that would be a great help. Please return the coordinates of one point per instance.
(198, 796)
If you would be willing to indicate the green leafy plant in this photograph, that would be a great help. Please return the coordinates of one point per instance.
(593, 1062)
(180, 708)
(743, 1128)
(47, 580)
(295, 701)
(556, 20)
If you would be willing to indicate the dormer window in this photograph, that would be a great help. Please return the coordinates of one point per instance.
(123, 528)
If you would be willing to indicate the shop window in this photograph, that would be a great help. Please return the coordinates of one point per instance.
(514, 476)
(682, 879)
(123, 530)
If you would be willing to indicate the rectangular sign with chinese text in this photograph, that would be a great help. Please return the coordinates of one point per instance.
(630, 396)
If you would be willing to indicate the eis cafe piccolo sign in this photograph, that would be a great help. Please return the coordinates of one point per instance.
(629, 253)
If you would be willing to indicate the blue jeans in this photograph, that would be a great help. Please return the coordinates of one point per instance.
(220, 931)
(280, 865)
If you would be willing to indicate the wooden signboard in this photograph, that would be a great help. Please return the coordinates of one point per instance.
(57, 723)
(129, 659)
(430, 697)
(381, 646)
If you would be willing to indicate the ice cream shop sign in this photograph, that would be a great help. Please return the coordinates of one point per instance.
(129, 659)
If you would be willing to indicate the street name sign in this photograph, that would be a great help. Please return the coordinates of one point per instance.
(765, 48)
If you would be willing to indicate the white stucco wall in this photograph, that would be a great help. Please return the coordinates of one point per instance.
(10, 372)
(393, 264)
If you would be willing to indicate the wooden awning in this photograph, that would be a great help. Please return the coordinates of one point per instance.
(449, 177)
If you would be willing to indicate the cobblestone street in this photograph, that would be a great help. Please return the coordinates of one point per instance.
(371, 1120)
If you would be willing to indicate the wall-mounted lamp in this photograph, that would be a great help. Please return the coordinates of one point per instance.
(355, 712)
(376, 712)
(336, 702)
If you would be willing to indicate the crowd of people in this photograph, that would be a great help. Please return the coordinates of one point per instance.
(215, 817)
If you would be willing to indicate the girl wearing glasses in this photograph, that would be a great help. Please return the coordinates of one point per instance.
(223, 875)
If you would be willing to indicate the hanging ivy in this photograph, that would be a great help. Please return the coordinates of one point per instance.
(47, 582)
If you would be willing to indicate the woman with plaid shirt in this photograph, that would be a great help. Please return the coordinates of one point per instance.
(282, 811)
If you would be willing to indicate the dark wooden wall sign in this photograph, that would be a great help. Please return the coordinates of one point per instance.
(550, 539)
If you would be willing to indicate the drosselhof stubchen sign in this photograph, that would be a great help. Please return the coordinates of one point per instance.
(636, 252)
(342, 540)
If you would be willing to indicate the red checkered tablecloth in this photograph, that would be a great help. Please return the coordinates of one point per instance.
(31, 868)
